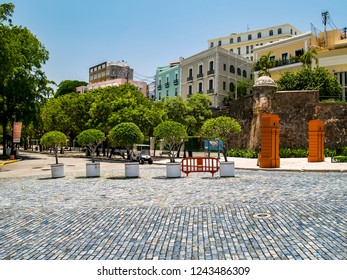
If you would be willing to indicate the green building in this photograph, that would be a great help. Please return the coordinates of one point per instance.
(167, 80)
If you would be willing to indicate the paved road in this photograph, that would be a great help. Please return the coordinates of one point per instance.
(303, 215)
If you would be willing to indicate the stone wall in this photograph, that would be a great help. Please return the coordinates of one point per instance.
(296, 109)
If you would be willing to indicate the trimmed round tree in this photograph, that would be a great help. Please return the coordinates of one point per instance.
(91, 138)
(53, 140)
(172, 133)
(125, 135)
(222, 128)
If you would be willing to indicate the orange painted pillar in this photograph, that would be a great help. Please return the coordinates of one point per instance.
(270, 141)
(315, 141)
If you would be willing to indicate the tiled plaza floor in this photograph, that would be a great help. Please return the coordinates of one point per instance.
(195, 217)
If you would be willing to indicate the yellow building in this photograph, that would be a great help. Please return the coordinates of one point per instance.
(331, 48)
(245, 43)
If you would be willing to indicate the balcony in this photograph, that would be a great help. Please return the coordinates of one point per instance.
(210, 72)
(190, 79)
(167, 85)
(175, 82)
(200, 75)
(211, 90)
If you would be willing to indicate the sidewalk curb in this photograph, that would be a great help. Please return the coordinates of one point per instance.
(8, 162)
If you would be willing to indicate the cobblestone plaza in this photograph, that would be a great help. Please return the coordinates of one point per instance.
(255, 215)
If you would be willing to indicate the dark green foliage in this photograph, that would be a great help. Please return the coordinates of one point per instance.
(68, 86)
(308, 79)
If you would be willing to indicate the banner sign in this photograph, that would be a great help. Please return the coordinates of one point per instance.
(17, 129)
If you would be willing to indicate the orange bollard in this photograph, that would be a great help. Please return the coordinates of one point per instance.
(315, 141)
(270, 141)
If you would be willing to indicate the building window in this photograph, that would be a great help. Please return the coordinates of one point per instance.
(210, 85)
(259, 35)
(232, 50)
(219, 43)
(176, 92)
(244, 73)
(247, 49)
(231, 87)
(211, 70)
(249, 36)
(167, 93)
(190, 74)
(279, 31)
(211, 45)
(238, 39)
(200, 87)
(271, 33)
(299, 53)
(252, 48)
(190, 90)
(200, 69)
(284, 56)
(224, 67)
(239, 71)
(291, 31)
(239, 51)
(232, 69)
(231, 40)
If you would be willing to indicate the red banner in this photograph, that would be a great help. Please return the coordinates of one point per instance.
(17, 129)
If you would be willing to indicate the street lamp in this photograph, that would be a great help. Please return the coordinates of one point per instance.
(12, 147)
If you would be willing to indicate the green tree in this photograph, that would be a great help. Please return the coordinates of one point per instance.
(308, 57)
(198, 112)
(222, 128)
(68, 113)
(22, 82)
(173, 134)
(54, 140)
(124, 103)
(126, 135)
(265, 63)
(91, 138)
(68, 86)
(311, 79)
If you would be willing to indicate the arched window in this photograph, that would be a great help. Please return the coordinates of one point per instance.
(232, 87)
(271, 33)
(244, 73)
(279, 31)
(211, 65)
(232, 69)
(249, 36)
(238, 39)
(211, 45)
(259, 35)
(219, 43)
(231, 40)
(239, 71)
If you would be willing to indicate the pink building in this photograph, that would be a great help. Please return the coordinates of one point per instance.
(142, 86)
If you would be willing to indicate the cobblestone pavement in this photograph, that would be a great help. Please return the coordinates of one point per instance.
(195, 217)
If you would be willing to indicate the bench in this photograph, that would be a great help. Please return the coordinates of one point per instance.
(199, 164)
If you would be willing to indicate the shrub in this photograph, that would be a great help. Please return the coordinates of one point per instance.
(172, 133)
(91, 138)
(53, 140)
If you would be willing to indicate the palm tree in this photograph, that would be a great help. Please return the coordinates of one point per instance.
(265, 63)
(308, 57)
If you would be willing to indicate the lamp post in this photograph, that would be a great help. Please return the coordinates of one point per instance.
(12, 156)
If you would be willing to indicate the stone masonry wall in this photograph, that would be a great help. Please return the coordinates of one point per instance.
(296, 109)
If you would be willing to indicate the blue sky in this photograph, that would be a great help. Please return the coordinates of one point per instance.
(147, 34)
